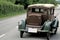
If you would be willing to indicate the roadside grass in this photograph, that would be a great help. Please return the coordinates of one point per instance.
(12, 14)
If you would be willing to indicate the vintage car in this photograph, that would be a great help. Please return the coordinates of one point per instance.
(40, 18)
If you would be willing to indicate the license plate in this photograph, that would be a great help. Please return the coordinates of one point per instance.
(32, 30)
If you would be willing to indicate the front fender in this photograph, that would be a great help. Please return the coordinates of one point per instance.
(46, 25)
(22, 25)
(55, 23)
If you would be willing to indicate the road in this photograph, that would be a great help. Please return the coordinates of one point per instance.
(9, 31)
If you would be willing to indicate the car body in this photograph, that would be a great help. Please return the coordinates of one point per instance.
(40, 18)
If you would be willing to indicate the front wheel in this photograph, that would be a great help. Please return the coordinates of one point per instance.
(48, 36)
(21, 34)
(55, 31)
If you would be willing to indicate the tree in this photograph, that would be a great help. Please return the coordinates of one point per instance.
(28, 2)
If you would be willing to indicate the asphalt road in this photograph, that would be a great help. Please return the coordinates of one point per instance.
(8, 29)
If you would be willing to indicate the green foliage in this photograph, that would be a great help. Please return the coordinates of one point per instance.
(37, 1)
(12, 1)
(48, 2)
(28, 2)
(8, 7)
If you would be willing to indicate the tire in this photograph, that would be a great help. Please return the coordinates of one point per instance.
(55, 31)
(48, 36)
(21, 34)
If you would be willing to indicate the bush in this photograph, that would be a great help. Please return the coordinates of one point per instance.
(8, 7)
(28, 2)
(12, 1)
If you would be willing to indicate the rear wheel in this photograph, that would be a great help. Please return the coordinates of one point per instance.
(21, 34)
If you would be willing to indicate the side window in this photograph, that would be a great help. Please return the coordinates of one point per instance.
(51, 11)
(45, 11)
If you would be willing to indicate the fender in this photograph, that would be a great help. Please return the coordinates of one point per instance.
(55, 23)
(22, 25)
(46, 25)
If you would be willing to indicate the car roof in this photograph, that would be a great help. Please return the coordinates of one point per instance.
(42, 5)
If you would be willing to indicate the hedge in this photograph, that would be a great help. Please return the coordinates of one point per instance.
(12, 1)
(7, 7)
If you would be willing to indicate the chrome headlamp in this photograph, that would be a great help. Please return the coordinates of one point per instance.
(20, 22)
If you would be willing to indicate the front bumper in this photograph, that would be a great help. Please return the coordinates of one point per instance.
(38, 30)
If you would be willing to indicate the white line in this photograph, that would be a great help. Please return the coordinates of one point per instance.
(2, 35)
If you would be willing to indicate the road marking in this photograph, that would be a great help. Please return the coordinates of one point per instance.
(2, 35)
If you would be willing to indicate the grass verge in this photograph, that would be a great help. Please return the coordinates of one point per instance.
(12, 14)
